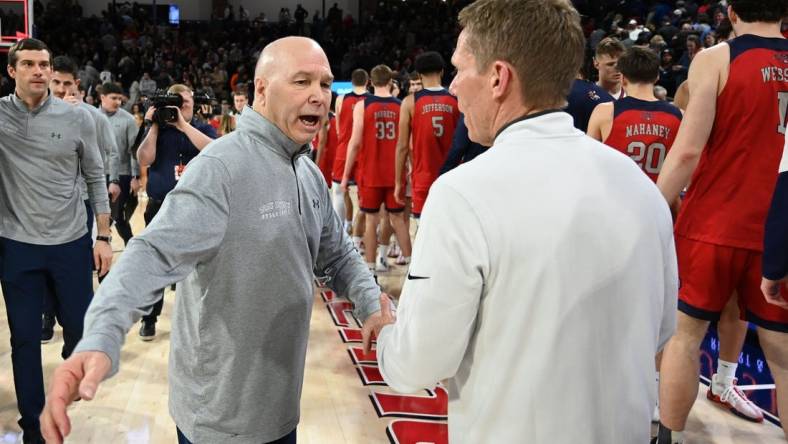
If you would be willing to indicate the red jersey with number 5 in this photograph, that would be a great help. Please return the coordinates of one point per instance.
(435, 115)
(379, 145)
(732, 186)
(644, 131)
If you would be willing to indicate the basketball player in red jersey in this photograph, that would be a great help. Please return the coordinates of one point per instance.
(431, 114)
(373, 142)
(639, 125)
(327, 141)
(739, 88)
(344, 126)
(731, 330)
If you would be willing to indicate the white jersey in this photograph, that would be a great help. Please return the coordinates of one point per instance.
(542, 284)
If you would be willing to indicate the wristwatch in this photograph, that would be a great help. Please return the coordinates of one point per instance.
(107, 239)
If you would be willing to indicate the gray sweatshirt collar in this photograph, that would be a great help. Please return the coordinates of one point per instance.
(253, 123)
(22, 106)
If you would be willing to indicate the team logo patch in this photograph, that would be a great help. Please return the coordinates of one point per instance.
(593, 95)
(782, 56)
(648, 116)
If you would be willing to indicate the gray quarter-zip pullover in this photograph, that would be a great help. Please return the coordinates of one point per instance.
(125, 129)
(245, 230)
(42, 152)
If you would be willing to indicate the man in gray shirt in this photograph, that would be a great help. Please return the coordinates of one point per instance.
(125, 131)
(64, 84)
(266, 227)
(44, 242)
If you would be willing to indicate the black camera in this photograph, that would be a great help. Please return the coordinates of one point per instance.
(204, 104)
(164, 104)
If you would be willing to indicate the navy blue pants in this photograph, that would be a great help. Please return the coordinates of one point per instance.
(49, 299)
(28, 274)
(290, 438)
(123, 208)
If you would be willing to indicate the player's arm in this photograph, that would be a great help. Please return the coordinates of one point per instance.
(683, 157)
(601, 121)
(682, 96)
(338, 109)
(775, 242)
(322, 136)
(355, 141)
(403, 142)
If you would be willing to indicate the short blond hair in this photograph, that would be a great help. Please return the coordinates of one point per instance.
(541, 39)
(609, 46)
(179, 88)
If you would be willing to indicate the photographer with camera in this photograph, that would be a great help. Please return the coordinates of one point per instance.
(173, 137)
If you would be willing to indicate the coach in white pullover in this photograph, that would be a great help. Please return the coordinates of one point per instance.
(543, 278)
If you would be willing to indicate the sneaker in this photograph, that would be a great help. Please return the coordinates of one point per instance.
(394, 250)
(402, 260)
(147, 331)
(47, 329)
(732, 398)
(382, 265)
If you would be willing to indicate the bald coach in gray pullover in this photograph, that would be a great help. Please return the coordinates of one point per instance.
(245, 230)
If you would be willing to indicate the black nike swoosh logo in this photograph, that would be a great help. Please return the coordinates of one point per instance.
(413, 278)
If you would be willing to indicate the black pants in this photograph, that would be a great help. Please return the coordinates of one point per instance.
(150, 212)
(290, 438)
(123, 208)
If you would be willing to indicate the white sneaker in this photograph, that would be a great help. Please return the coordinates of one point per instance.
(381, 265)
(730, 397)
(402, 260)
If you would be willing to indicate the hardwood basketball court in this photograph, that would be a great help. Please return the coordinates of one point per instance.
(336, 405)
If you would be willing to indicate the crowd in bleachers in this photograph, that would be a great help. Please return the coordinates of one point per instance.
(217, 56)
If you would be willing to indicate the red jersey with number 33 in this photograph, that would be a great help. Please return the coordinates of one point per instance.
(435, 115)
(379, 145)
(644, 131)
(731, 189)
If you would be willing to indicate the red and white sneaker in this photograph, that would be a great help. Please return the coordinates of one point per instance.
(730, 397)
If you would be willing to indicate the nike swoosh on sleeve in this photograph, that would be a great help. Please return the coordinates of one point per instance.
(414, 278)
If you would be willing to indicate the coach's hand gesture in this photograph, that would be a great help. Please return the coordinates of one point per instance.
(78, 377)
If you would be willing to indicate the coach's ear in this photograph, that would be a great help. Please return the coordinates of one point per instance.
(260, 90)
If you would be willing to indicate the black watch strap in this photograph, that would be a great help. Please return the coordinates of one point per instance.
(106, 239)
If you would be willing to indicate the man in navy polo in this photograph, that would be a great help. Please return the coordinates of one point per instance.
(166, 151)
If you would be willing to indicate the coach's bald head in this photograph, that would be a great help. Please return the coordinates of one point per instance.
(292, 85)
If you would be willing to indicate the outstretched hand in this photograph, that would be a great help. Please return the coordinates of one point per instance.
(377, 321)
(78, 377)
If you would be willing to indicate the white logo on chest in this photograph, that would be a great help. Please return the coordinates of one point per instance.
(277, 208)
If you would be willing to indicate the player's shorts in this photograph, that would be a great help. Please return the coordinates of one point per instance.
(371, 198)
(338, 171)
(419, 197)
(709, 274)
